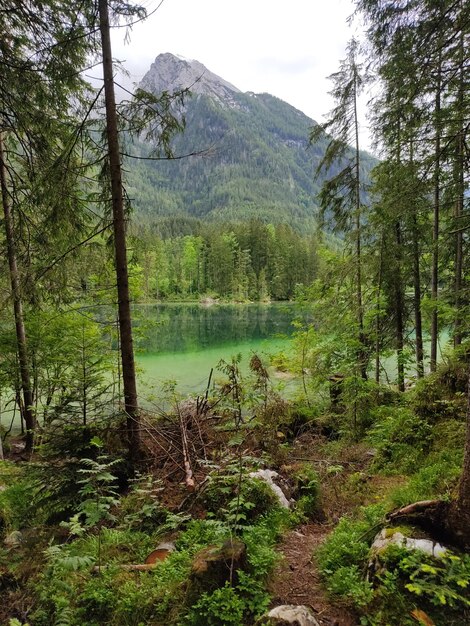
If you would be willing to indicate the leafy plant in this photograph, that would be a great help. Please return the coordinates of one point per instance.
(343, 556)
(400, 437)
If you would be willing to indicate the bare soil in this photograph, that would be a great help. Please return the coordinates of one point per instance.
(297, 579)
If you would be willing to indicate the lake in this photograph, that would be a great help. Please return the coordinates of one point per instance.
(183, 342)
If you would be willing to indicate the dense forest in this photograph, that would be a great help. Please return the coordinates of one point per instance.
(346, 502)
(241, 262)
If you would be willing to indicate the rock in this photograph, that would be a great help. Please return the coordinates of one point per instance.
(13, 540)
(288, 615)
(388, 537)
(215, 565)
(269, 477)
(161, 552)
(391, 536)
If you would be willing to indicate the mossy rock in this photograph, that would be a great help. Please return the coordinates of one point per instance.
(214, 566)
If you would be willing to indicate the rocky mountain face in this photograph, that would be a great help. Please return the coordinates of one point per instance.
(254, 158)
(172, 73)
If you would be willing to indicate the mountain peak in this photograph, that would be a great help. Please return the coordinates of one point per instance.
(170, 72)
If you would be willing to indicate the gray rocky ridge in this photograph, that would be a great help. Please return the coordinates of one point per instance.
(172, 73)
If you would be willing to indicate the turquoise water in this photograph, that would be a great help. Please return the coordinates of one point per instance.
(183, 342)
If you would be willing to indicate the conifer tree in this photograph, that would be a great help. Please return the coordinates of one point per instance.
(343, 193)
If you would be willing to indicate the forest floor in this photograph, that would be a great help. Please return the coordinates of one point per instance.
(296, 579)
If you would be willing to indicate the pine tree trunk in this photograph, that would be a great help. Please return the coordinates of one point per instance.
(21, 341)
(435, 232)
(417, 302)
(362, 356)
(399, 305)
(378, 313)
(459, 200)
(122, 280)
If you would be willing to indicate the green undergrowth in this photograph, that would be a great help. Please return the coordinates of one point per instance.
(70, 592)
(80, 577)
(83, 520)
(418, 440)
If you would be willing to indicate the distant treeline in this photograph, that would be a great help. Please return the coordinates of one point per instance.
(244, 261)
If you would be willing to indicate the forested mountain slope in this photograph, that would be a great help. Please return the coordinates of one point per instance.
(255, 161)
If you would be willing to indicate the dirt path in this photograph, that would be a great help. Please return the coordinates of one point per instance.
(297, 579)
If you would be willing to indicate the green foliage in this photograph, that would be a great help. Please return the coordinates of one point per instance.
(261, 540)
(247, 599)
(443, 394)
(238, 502)
(67, 590)
(443, 581)
(233, 261)
(436, 478)
(98, 490)
(408, 579)
(401, 437)
(140, 509)
(222, 607)
(344, 554)
(17, 497)
(227, 605)
(308, 489)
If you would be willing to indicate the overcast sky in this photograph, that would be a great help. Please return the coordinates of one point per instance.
(287, 49)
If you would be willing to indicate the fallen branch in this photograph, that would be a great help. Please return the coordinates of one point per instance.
(417, 508)
(189, 480)
(128, 567)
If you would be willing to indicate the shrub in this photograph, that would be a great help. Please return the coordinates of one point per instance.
(400, 436)
(239, 502)
(435, 479)
(16, 499)
(308, 489)
(344, 554)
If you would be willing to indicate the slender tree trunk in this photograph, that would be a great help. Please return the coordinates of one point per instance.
(399, 306)
(417, 301)
(459, 199)
(378, 312)
(122, 280)
(435, 232)
(21, 341)
(360, 311)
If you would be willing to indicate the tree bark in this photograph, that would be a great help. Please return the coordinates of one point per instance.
(459, 175)
(378, 313)
(119, 229)
(417, 301)
(399, 306)
(435, 232)
(360, 311)
(21, 341)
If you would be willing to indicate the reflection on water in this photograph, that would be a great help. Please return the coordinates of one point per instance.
(192, 327)
(183, 342)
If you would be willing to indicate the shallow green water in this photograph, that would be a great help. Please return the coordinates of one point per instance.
(183, 342)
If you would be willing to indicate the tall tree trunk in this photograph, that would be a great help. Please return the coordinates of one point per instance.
(122, 280)
(417, 301)
(21, 341)
(360, 310)
(378, 312)
(435, 231)
(459, 199)
(399, 306)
